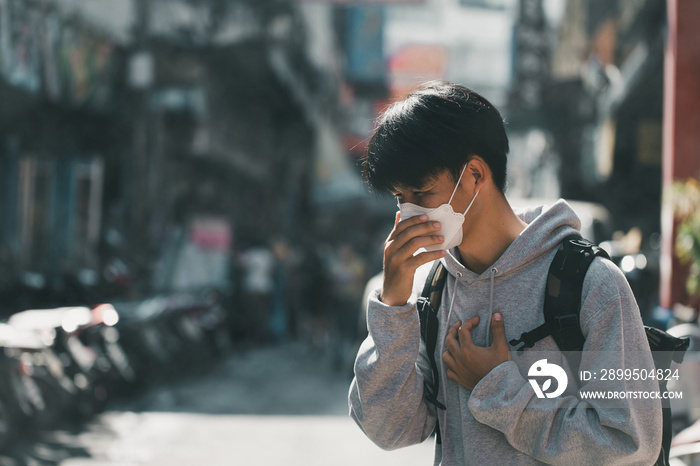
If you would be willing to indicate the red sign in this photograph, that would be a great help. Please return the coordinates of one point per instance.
(413, 65)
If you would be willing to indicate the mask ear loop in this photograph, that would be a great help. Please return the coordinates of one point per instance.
(458, 180)
(470, 204)
(455, 190)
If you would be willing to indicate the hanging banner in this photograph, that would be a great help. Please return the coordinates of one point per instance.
(19, 47)
(50, 38)
(41, 52)
(86, 66)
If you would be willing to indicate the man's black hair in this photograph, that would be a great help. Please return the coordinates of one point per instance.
(435, 128)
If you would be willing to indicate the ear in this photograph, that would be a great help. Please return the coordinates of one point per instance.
(477, 172)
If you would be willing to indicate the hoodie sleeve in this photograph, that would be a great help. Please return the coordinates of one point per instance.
(569, 430)
(386, 395)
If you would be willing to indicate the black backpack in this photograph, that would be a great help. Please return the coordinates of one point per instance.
(562, 307)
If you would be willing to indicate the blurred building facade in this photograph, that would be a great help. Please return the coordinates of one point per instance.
(588, 96)
(606, 96)
(133, 129)
(606, 100)
(58, 82)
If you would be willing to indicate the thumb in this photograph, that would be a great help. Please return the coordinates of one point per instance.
(499, 330)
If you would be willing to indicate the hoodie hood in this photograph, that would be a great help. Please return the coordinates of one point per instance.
(546, 228)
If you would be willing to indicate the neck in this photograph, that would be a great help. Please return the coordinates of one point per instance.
(493, 227)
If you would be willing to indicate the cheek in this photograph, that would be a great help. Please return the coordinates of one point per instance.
(432, 201)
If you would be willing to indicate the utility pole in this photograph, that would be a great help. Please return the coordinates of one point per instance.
(137, 189)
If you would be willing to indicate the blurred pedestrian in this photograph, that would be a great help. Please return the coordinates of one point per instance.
(349, 273)
(315, 294)
(257, 267)
(279, 323)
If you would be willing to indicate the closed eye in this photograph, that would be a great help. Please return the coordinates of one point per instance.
(399, 197)
(414, 194)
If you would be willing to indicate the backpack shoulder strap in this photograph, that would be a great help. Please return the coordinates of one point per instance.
(428, 304)
(434, 283)
(562, 302)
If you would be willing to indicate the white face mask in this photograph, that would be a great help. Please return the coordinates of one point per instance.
(450, 221)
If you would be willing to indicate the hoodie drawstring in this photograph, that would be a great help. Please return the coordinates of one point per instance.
(452, 301)
(494, 271)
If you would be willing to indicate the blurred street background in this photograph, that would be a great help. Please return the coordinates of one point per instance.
(277, 405)
(185, 238)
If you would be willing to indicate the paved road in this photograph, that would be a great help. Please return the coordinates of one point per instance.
(273, 406)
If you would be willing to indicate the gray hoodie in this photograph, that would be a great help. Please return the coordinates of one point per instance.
(502, 421)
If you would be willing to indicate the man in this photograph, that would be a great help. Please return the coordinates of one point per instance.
(442, 153)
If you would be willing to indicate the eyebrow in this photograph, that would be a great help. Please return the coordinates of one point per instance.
(427, 185)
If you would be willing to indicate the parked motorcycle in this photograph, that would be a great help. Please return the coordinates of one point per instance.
(169, 336)
(67, 362)
(84, 364)
(105, 340)
(34, 391)
(148, 342)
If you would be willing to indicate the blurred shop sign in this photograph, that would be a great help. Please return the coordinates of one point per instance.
(211, 233)
(202, 259)
(413, 65)
(365, 44)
